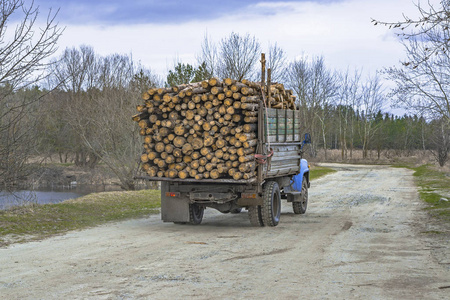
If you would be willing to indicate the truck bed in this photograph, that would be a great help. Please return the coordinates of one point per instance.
(279, 132)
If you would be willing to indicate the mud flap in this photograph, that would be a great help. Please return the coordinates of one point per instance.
(173, 209)
(294, 197)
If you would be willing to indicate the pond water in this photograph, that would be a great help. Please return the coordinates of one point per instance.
(49, 195)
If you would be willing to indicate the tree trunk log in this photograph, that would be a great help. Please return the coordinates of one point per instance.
(196, 131)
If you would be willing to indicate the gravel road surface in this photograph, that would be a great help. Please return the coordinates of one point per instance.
(362, 237)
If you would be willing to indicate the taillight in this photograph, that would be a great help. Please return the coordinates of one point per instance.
(249, 195)
(172, 194)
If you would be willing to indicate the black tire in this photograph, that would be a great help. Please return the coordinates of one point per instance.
(195, 214)
(255, 216)
(271, 208)
(300, 207)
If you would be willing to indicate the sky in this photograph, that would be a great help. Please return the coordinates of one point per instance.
(158, 33)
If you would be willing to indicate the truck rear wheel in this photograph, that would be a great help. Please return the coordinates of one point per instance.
(271, 208)
(300, 207)
(196, 214)
(255, 215)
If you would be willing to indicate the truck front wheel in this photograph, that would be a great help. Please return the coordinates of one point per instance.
(300, 207)
(271, 208)
(195, 214)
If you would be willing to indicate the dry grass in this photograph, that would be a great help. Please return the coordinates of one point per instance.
(387, 157)
(434, 189)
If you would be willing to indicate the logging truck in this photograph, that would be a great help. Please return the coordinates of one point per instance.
(281, 173)
(224, 144)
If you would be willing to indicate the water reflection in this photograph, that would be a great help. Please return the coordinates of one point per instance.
(50, 194)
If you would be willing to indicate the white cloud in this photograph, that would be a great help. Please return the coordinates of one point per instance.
(340, 31)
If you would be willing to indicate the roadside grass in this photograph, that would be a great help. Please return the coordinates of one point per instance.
(434, 189)
(318, 171)
(36, 222)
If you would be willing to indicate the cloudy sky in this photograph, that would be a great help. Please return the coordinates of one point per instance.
(157, 32)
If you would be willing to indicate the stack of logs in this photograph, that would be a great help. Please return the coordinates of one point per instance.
(205, 129)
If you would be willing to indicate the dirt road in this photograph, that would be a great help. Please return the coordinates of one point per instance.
(361, 238)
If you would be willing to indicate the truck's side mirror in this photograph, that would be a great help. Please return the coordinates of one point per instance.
(307, 139)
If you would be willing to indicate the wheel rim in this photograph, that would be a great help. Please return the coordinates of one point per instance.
(271, 208)
(276, 206)
(197, 211)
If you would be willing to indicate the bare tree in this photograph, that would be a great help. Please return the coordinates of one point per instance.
(422, 80)
(238, 57)
(276, 61)
(423, 87)
(208, 56)
(111, 136)
(322, 92)
(100, 95)
(440, 141)
(297, 78)
(432, 19)
(369, 104)
(346, 100)
(24, 50)
(77, 71)
(54, 134)
(316, 88)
